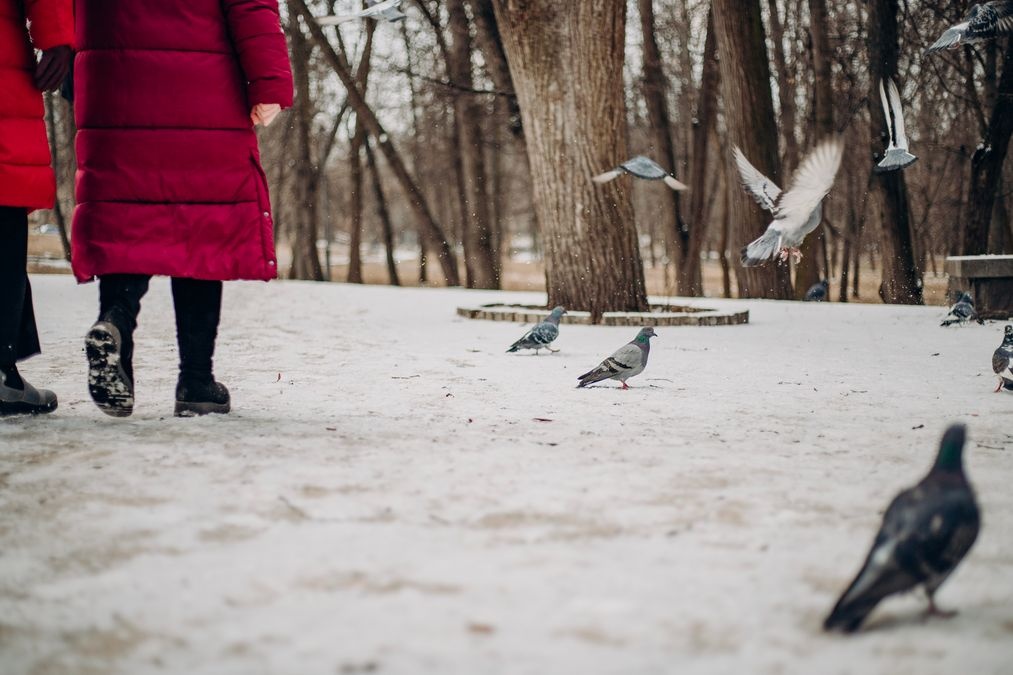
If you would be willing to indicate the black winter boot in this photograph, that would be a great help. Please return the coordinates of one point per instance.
(200, 394)
(18, 397)
(110, 371)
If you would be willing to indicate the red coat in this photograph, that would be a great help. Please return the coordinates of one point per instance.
(169, 180)
(26, 179)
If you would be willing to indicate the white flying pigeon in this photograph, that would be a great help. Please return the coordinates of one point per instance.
(796, 212)
(627, 361)
(897, 155)
(542, 335)
(984, 21)
(385, 9)
(641, 167)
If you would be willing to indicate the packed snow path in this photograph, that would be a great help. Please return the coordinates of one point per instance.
(407, 498)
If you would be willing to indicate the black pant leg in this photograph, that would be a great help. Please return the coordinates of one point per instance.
(198, 306)
(120, 303)
(19, 336)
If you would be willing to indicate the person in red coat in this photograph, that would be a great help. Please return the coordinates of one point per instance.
(169, 179)
(26, 179)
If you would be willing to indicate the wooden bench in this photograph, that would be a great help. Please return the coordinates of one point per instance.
(989, 279)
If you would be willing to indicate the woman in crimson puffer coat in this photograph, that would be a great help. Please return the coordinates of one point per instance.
(26, 179)
(169, 179)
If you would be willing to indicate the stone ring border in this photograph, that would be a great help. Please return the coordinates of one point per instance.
(660, 315)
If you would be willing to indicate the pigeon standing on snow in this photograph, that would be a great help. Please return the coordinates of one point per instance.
(896, 156)
(628, 361)
(962, 312)
(796, 212)
(926, 532)
(818, 292)
(542, 335)
(388, 10)
(1002, 358)
(984, 21)
(641, 167)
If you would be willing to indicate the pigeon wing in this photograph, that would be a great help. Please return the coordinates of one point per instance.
(811, 183)
(607, 176)
(900, 134)
(991, 20)
(759, 187)
(374, 9)
(644, 167)
(886, 114)
(1000, 360)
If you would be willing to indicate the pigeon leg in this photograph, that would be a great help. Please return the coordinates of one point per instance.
(783, 255)
(796, 255)
(999, 387)
(625, 386)
(933, 610)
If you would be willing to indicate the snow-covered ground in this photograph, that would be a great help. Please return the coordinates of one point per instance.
(395, 494)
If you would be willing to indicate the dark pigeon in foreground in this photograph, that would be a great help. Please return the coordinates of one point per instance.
(962, 312)
(926, 532)
(818, 292)
(985, 21)
(1001, 360)
(641, 167)
(542, 335)
(628, 361)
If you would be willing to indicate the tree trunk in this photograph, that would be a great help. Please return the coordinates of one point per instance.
(786, 89)
(807, 272)
(55, 146)
(481, 265)
(355, 204)
(674, 230)
(384, 215)
(987, 163)
(428, 225)
(490, 43)
(566, 60)
(901, 282)
(749, 112)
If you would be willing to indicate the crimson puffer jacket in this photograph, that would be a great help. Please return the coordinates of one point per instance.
(169, 179)
(26, 179)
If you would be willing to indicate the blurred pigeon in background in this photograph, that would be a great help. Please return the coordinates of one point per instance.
(818, 292)
(982, 22)
(1002, 358)
(796, 212)
(641, 167)
(542, 335)
(926, 532)
(896, 156)
(628, 361)
(388, 10)
(962, 312)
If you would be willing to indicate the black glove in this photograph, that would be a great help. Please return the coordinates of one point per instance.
(53, 67)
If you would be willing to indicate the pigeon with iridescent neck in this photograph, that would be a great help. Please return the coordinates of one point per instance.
(628, 361)
(962, 311)
(926, 532)
(985, 21)
(641, 167)
(818, 292)
(542, 335)
(1001, 360)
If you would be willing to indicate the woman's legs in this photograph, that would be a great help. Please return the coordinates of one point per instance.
(198, 305)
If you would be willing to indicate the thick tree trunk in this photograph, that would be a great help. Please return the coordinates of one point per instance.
(807, 272)
(901, 282)
(749, 112)
(674, 229)
(786, 89)
(481, 265)
(566, 60)
(987, 164)
(305, 259)
(428, 226)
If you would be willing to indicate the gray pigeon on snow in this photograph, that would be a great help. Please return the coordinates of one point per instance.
(926, 532)
(818, 292)
(896, 156)
(641, 167)
(627, 361)
(962, 312)
(982, 22)
(542, 335)
(1002, 358)
(388, 10)
(796, 212)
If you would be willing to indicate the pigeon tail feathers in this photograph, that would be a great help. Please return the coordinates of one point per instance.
(674, 184)
(761, 249)
(895, 160)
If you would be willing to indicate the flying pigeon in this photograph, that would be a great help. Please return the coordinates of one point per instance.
(796, 212)
(962, 312)
(388, 10)
(984, 21)
(926, 532)
(1002, 358)
(641, 167)
(896, 155)
(628, 361)
(542, 335)
(818, 292)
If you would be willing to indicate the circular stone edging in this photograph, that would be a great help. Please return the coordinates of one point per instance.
(661, 315)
